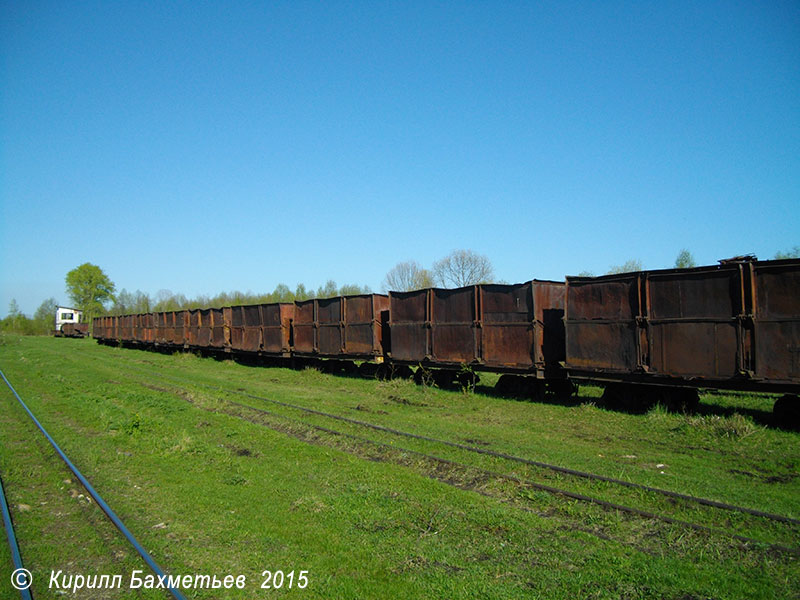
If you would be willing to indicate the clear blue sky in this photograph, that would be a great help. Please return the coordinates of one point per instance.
(207, 147)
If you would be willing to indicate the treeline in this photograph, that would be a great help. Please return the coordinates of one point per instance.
(126, 302)
(42, 323)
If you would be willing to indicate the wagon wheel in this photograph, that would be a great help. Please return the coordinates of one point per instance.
(367, 370)
(536, 389)
(401, 372)
(468, 380)
(348, 367)
(423, 376)
(511, 385)
(612, 396)
(786, 411)
(563, 389)
(624, 397)
(443, 378)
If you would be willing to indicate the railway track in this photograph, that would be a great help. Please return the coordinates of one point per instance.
(112, 516)
(502, 455)
(556, 491)
(20, 574)
(531, 484)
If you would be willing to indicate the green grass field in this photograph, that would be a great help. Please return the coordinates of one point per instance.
(215, 477)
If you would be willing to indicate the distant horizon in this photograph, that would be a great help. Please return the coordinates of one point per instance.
(209, 148)
(314, 291)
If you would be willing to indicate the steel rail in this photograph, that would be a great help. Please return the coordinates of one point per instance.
(545, 488)
(519, 459)
(12, 540)
(510, 457)
(97, 498)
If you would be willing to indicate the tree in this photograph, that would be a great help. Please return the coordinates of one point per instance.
(300, 292)
(44, 317)
(463, 267)
(793, 253)
(407, 276)
(353, 289)
(282, 293)
(629, 266)
(329, 290)
(16, 322)
(89, 289)
(685, 260)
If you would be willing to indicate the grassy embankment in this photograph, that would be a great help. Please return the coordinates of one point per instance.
(210, 485)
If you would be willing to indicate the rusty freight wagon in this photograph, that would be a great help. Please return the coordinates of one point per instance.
(515, 329)
(205, 328)
(261, 328)
(660, 335)
(102, 329)
(344, 327)
(73, 330)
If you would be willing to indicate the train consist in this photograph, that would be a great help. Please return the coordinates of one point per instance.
(648, 336)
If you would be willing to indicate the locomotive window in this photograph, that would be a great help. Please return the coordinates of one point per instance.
(66, 316)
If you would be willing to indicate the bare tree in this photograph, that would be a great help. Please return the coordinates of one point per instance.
(407, 276)
(629, 266)
(463, 267)
(793, 253)
(685, 260)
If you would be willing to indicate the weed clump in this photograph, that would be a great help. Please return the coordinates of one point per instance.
(735, 426)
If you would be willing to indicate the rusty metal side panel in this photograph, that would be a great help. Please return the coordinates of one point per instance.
(701, 349)
(246, 328)
(153, 329)
(601, 328)
(227, 315)
(192, 327)
(276, 327)
(146, 323)
(601, 346)
(182, 326)
(204, 328)
(777, 320)
(330, 326)
(198, 330)
(217, 335)
(304, 327)
(693, 322)
(161, 328)
(363, 333)
(410, 326)
(454, 334)
(236, 328)
(138, 328)
(122, 327)
(171, 334)
(506, 319)
(126, 328)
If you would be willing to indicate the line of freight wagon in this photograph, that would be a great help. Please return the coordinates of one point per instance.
(648, 336)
